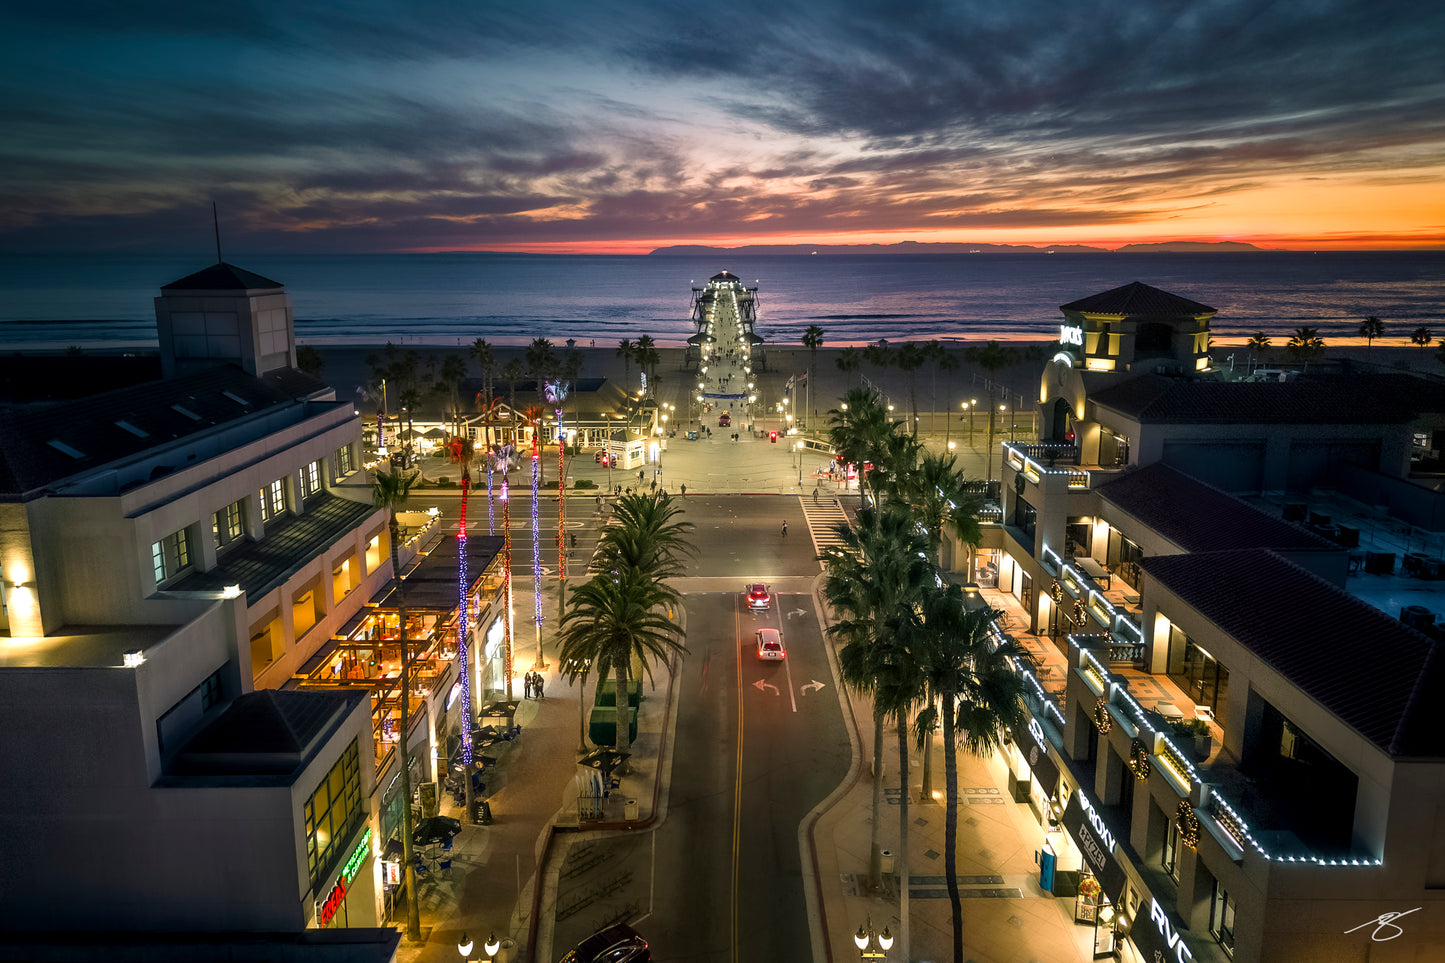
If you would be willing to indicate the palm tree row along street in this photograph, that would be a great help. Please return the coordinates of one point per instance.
(909, 640)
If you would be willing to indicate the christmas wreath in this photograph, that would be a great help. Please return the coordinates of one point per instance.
(1089, 888)
(1139, 760)
(1102, 721)
(1188, 824)
(1080, 612)
(1057, 592)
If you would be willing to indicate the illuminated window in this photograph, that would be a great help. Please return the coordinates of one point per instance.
(333, 813)
(171, 555)
(1221, 918)
(311, 479)
(341, 462)
(274, 497)
(226, 525)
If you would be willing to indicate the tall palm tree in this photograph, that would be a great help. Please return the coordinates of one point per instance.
(512, 373)
(486, 360)
(460, 453)
(1258, 343)
(979, 695)
(1422, 337)
(812, 340)
(1370, 329)
(644, 350)
(909, 359)
(648, 534)
(626, 350)
(390, 491)
(937, 492)
(860, 430)
(449, 386)
(613, 619)
(871, 581)
(993, 358)
(1305, 344)
(850, 362)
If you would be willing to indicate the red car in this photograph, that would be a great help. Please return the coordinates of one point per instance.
(725, 420)
(759, 599)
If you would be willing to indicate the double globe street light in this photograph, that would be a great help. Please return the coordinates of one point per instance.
(872, 946)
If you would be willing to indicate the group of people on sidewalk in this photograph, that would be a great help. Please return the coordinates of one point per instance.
(532, 684)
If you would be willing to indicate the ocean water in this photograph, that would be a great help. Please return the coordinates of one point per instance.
(446, 299)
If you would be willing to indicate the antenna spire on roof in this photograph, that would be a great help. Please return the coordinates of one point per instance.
(216, 223)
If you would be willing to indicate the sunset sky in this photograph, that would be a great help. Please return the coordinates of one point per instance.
(541, 125)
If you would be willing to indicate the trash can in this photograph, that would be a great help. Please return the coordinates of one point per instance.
(629, 810)
(886, 857)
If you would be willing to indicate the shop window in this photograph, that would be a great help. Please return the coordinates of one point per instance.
(171, 555)
(1221, 918)
(333, 813)
(1201, 676)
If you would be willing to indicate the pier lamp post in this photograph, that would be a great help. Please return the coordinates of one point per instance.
(972, 407)
(871, 945)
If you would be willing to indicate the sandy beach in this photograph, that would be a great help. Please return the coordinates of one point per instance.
(346, 369)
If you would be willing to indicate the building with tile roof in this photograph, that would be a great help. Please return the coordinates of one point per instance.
(1242, 752)
(172, 552)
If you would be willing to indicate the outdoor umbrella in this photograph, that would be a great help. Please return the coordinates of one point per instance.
(435, 829)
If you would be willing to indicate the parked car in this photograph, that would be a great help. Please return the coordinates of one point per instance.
(724, 420)
(616, 944)
(770, 645)
(759, 598)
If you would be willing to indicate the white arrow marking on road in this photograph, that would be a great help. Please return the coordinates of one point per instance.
(798, 612)
(811, 686)
(761, 685)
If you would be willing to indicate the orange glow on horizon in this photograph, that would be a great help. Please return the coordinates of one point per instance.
(1341, 241)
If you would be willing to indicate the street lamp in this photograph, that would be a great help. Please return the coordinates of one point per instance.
(464, 947)
(871, 945)
(493, 945)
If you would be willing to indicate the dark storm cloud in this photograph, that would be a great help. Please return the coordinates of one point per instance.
(432, 122)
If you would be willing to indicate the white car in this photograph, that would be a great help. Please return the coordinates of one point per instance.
(770, 645)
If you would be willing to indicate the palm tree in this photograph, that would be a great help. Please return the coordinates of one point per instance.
(309, 360)
(613, 619)
(648, 535)
(879, 355)
(947, 362)
(1422, 336)
(1305, 344)
(513, 372)
(871, 582)
(993, 358)
(449, 384)
(909, 359)
(626, 350)
(541, 362)
(486, 360)
(1258, 344)
(460, 453)
(850, 362)
(390, 491)
(1370, 329)
(860, 430)
(644, 349)
(812, 340)
(938, 495)
(981, 699)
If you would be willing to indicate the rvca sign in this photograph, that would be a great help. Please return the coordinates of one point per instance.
(1169, 946)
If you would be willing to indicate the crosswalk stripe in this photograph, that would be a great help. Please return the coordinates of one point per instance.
(821, 519)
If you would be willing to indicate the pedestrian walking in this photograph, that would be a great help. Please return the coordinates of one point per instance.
(654, 486)
(815, 494)
(639, 475)
(684, 490)
(537, 682)
(785, 528)
(527, 685)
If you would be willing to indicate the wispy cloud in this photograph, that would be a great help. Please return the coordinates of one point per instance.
(420, 125)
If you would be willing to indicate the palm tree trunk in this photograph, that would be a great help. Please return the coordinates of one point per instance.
(622, 740)
(902, 868)
(464, 589)
(950, 827)
(413, 913)
(875, 848)
(925, 791)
